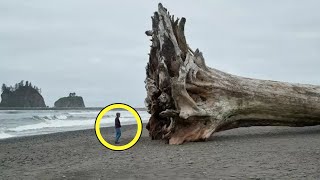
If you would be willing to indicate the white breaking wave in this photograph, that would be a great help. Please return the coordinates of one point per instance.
(51, 117)
(66, 123)
(53, 124)
(4, 135)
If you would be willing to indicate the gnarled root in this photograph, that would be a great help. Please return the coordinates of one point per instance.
(189, 101)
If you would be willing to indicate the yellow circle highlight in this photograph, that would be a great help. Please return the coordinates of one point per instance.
(118, 106)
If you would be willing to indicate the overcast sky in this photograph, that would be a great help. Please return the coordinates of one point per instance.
(98, 49)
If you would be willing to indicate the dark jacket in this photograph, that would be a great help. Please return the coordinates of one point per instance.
(117, 123)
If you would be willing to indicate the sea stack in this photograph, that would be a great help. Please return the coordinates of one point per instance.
(21, 95)
(72, 101)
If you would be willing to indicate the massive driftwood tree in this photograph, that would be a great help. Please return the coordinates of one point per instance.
(189, 101)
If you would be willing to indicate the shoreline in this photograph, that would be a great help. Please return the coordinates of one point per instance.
(243, 153)
(67, 131)
(64, 133)
(56, 108)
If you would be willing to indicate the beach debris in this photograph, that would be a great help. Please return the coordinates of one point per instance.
(189, 101)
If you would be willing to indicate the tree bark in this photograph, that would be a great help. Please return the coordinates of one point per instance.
(189, 101)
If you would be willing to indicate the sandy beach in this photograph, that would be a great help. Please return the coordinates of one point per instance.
(256, 152)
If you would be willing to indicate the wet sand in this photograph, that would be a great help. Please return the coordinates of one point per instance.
(256, 152)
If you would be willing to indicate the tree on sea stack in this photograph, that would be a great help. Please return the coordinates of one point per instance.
(189, 101)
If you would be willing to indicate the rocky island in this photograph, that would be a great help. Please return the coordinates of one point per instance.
(72, 101)
(21, 95)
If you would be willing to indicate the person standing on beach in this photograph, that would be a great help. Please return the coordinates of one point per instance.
(117, 126)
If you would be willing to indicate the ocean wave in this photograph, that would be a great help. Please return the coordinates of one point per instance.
(52, 124)
(69, 117)
(51, 117)
(11, 112)
(63, 123)
(4, 135)
(43, 122)
(82, 113)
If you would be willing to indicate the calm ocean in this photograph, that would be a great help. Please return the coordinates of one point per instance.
(15, 123)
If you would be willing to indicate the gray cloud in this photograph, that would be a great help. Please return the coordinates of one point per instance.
(98, 48)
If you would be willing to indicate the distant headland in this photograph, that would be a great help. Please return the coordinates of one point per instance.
(69, 102)
(25, 96)
(21, 95)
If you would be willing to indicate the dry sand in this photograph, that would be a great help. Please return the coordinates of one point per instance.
(256, 152)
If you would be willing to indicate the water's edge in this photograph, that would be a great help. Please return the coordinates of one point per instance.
(14, 138)
(18, 123)
(57, 108)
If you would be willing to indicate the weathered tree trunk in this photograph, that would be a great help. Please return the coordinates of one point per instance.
(189, 101)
